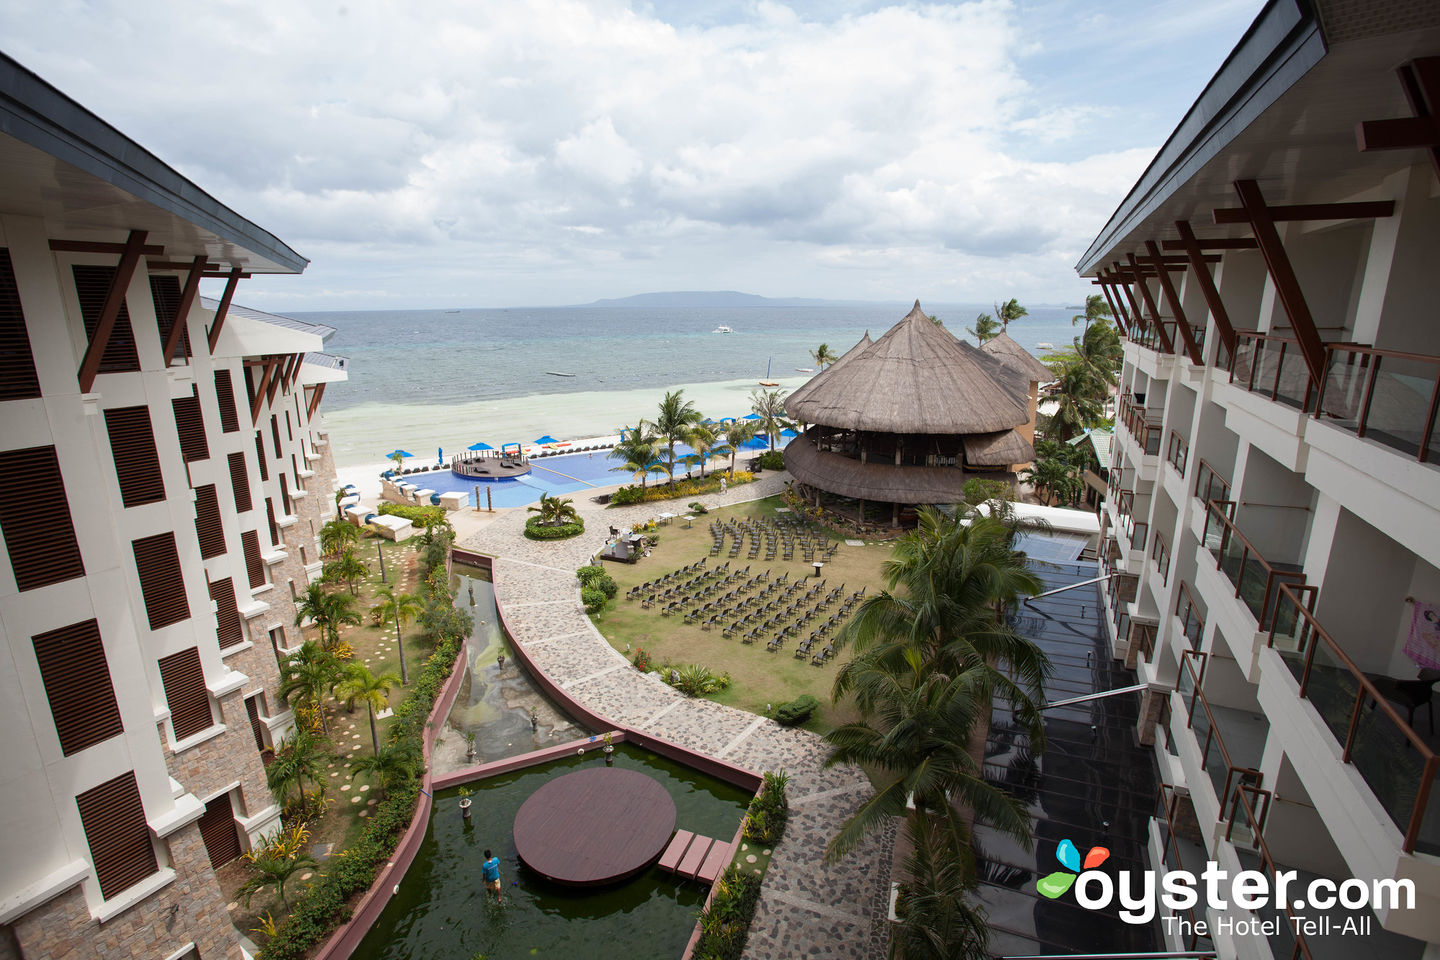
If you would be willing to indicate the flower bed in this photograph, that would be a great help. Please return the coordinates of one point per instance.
(536, 529)
(696, 486)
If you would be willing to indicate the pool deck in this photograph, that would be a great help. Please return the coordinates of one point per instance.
(808, 908)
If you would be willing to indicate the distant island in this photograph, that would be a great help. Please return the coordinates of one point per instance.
(711, 299)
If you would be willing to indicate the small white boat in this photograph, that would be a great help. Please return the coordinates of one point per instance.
(722, 329)
(804, 369)
(557, 373)
(1045, 345)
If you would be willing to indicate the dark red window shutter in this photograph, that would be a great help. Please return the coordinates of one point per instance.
(254, 566)
(119, 837)
(77, 681)
(260, 454)
(18, 380)
(252, 710)
(92, 286)
(285, 496)
(161, 582)
(275, 433)
(270, 516)
(208, 528)
(217, 829)
(225, 396)
(190, 424)
(240, 483)
(165, 294)
(289, 434)
(137, 464)
(184, 681)
(227, 614)
(35, 518)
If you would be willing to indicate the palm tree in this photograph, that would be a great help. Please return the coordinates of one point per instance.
(1054, 477)
(554, 511)
(308, 674)
(637, 452)
(770, 405)
(937, 923)
(359, 684)
(296, 760)
(348, 569)
(390, 763)
(1080, 391)
(328, 610)
(340, 494)
(1095, 308)
(273, 872)
(1008, 311)
(399, 607)
(399, 459)
(704, 439)
(336, 535)
(823, 356)
(985, 328)
(677, 415)
(737, 434)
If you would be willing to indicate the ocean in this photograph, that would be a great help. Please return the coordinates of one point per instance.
(426, 379)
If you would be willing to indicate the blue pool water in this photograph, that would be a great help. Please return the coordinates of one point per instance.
(568, 475)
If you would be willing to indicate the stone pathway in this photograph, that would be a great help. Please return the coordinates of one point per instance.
(808, 908)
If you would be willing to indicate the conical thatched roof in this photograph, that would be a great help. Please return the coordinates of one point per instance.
(997, 450)
(917, 378)
(846, 357)
(1013, 355)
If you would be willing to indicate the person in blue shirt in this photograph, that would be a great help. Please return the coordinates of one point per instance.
(490, 873)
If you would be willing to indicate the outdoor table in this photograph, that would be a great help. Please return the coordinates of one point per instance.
(688, 519)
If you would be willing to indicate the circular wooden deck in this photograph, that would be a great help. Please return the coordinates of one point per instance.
(594, 826)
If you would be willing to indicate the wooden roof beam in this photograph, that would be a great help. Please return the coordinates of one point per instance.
(132, 250)
(1115, 312)
(1165, 343)
(1219, 243)
(1120, 278)
(295, 371)
(1187, 337)
(220, 311)
(282, 372)
(187, 300)
(314, 401)
(118, 249)
(1421, 81)
(1192, 246)
(260, 390)
(1363, 210)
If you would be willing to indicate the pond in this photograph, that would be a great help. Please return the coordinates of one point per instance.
(442, 911)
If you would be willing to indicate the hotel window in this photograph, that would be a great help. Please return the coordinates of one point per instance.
(165, 294)
(217, 830)
(275, 433)
(208, 528)
(285, 495)
(254, 566)
(18, 380)
(257, 727)
(161, 582)
(35, 519)
(227, 614)
(185, 692)
(260, 453)
(92, 287)
(77, 683)
(240, 483)
(190, 425)
(119, 838)
(277, 640)
(225, 397)
(137, 464)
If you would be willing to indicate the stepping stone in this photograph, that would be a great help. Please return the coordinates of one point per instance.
(232, 905)
(369, 803)
(354, 799)
(364, 787)
(854, 543)
(345, 787)
(694, 856)
(366, 813)
(715, 862)
(670, 859)
(750, 858)
(306, 876)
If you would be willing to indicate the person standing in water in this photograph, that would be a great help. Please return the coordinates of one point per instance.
(490, 873)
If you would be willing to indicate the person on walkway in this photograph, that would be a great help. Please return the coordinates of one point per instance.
(722, 485)
(490, 873)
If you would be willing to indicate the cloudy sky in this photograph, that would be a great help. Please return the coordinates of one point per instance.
(521, 152)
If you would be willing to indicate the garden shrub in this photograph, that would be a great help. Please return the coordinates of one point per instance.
(769, 810)
(696, 680)
(536, 530)
(797, 711)
(641, 660)
(725, 924)
(771, 460)
(420, 516)
(593, 598)
(589, 572)
(606, 584)
(625, 496)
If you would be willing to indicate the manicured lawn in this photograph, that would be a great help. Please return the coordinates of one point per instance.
(760, 678)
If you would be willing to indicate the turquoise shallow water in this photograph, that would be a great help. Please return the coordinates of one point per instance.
(442, 913)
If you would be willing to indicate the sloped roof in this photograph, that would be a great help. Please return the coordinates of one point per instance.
(1100, 440)
(917, 378)
(1010, 353)
(804, 390)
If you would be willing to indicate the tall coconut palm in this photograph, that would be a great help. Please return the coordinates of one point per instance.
(348, 569)
(675, 419)
(298, 758)
(936, 921)
(1095, 308)
(390, 763)
(823, 356)
(1053, 478)
(307, 675)
(704, 439)
(1008, 311)
(336, 535)
(770, 405)
(400, 607)
(985, 328)
(359, 685)
(637, 452)
(329, 611)
(737, 434)
(1080, 391)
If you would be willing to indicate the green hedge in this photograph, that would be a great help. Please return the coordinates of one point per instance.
(626, 496)
(536, 530)
(420, 516)
(771, 460)
(797, 711)
(725, 925)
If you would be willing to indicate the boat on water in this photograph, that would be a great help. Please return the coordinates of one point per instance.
(804, 369)
(557, 373)
(722, 329)
(1045, 345)
(769, 383)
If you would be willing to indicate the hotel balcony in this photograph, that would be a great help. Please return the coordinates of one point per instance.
(1140, 429)
(1176, 460)
(1150, 355)
(1210, 484)
(1132, 530)
(1189, 616)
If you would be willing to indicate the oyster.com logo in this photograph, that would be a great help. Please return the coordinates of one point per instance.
(1057, 883)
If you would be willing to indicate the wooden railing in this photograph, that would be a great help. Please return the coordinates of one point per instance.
(1160, 553)
(1135, 417)
(1168, 799)
(1396, 407)
(1177, 452)
(1396, 763)
(1256, 579)
(1273, 366)
(1192, 667)
(1242, 809)
(1192, 621)
(1210, 485)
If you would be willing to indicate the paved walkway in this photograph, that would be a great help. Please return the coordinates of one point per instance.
(807, 908)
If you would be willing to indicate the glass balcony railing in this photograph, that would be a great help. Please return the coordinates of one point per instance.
(1160, 554)
(1245, 828)
(1182, 849)
(1226, 772)
(1256, 579)
(1273, 366)
(1177, 452)
(1192, 621)
(1388, 396)
(1210, 485)
(1396, 763)
(1144, 428)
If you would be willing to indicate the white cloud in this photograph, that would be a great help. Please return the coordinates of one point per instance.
(556, 151)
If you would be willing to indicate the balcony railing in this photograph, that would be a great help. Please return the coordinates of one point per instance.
(1273, 366)
(1144, 430)
(1141, 642)
(1192, 621)
(1257, 580)
(1168, 814)
(1135, 531)
(1386, 395)
(1215, 759)
(1286, 942)
(1177, 452)
(1394, 761)
(1210, 485)
(1160, 553)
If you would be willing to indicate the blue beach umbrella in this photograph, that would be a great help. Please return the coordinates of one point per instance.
(480, 446)
(756, 443)
(545, 439)
(787, 432)
(398, 452)
(752, 416)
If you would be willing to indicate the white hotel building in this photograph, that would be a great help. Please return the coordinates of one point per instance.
(165, 477)
(1274, 504)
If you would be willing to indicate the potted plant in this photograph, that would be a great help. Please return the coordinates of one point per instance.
(470, 745)
(465, 802)
(609, 739)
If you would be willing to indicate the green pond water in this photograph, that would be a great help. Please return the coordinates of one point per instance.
(442, 911)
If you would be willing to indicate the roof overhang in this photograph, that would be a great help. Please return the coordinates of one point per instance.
(87, 180)
(244, 336)
(322, 368)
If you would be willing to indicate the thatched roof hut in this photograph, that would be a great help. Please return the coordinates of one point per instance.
(916, 379)
(810, 385)
(1004, 348)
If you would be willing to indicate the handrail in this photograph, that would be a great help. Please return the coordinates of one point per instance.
(1370, 359)
(1301, 949)
(1254, 346)
(1177, 451)
(1308, 631)
(1160, 553)
(1229, 532)
(1234, 773)
(1169, 805)
(1192, 624)
(1207, 478)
